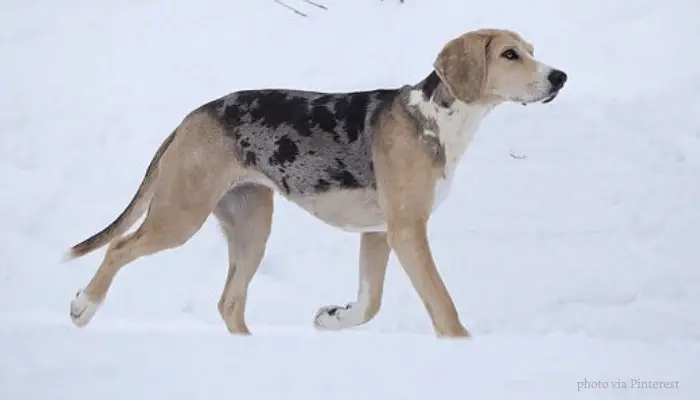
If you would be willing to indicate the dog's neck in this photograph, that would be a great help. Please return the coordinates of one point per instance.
(433, 100)
(451, 120)
(436, 91)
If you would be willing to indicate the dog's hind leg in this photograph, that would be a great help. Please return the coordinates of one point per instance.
(165, 227)
(374, 257)
(194, 173)
(245, 216)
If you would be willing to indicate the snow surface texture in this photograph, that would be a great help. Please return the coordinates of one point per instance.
(569, 242)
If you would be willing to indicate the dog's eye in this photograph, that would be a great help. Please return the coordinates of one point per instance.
(510, 54)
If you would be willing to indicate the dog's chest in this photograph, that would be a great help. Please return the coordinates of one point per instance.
(454, 127)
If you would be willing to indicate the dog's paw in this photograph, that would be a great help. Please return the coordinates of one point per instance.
(82, 309)
(332, 318)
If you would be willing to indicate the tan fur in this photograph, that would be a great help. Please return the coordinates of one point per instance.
(463, 62)
(192, 175)
(374, 258)
(462, 65)
(130, 215)
(406, 178)
(246, 225)
(188, 185)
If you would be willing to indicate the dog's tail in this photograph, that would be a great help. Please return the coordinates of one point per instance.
(138, 205)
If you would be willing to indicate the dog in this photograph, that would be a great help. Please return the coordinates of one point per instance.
(375, 162)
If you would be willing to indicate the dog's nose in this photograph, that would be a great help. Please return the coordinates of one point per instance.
(557, 79)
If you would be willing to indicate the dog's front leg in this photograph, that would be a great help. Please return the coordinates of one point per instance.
(407, 169)
(374, 257)
(408, 237)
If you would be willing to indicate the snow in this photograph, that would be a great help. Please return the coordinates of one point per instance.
(185, 361)
(569, 241)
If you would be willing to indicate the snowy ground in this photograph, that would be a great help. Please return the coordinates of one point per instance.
(570, 244)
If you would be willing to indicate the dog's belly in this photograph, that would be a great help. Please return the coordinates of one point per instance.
(357, 210)
(352, 210)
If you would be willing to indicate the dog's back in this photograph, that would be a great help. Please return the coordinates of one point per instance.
(305, 142)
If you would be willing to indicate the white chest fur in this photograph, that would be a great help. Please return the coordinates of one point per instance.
(456, 126)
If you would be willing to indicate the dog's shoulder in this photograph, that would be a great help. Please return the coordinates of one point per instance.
(405, 116)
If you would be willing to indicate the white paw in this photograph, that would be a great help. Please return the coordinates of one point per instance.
(330, 318)
(82, 309)
(334, 318)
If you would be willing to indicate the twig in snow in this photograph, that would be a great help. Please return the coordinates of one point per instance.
(290, 8)
(321, 6)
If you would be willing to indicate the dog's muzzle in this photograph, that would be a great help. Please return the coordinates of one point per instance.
(556, 79)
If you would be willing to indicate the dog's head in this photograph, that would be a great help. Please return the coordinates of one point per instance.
(494, 66)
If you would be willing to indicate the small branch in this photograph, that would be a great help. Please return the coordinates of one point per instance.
(321, 6)
(290, 8)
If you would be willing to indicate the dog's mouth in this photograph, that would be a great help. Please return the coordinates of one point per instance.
(543, 100)
(550, 97)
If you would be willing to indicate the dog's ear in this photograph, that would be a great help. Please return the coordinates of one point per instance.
(462, 66)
